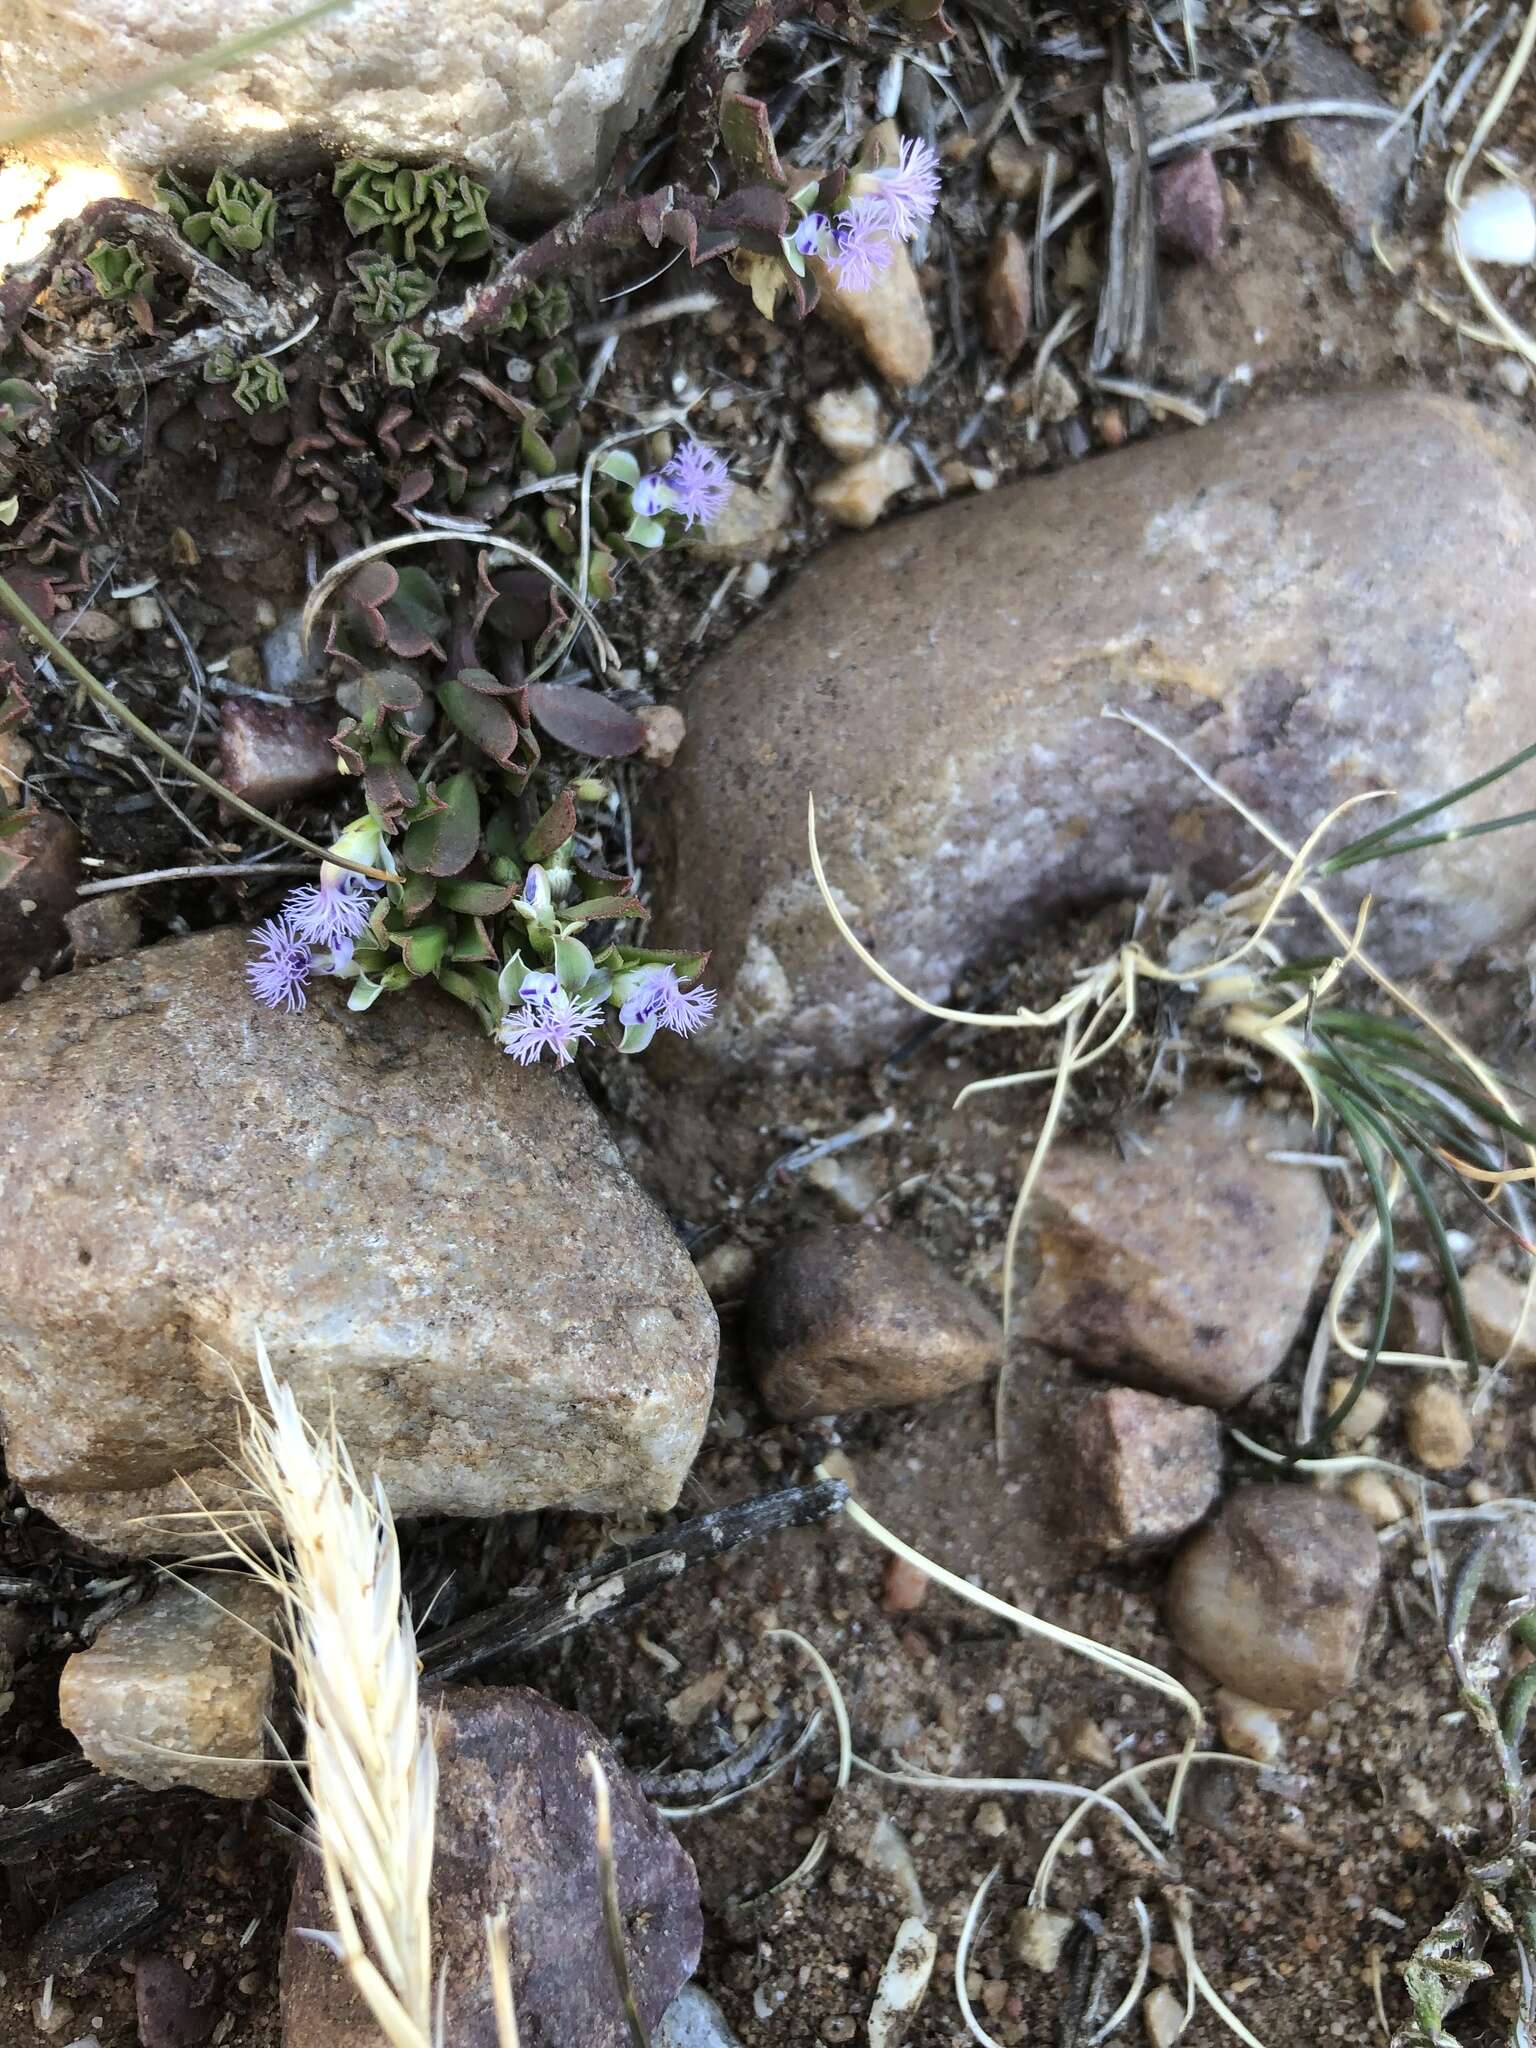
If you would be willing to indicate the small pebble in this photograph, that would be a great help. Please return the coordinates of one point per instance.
(847, 421)
(1496, 1309)
(1373, 1494)
(1514, 375)
(1162, 2014)
(1365, 1418)
(1013, 168)
(857, 495)
(991, 1823)
(1037, 1937)
(1006, 296)
(725, 1271)
(1439, 1433)
(1498, 225)
(665, 731)
(1247, 1729)
(1422, 17)
(144, 613)
(1190, 208)
(906, 1587)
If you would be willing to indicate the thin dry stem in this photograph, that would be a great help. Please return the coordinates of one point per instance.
(608, 1887)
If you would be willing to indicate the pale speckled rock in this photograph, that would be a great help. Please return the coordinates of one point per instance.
(179, 1691)
(1318, 598)
(515, 1830)
(845, 1319)
(1273, 1596)
(847, 421)
(857, 495)
(1185, 1267)
(888, 322)
(693, 2020)
(531, 95)
(445, 1244)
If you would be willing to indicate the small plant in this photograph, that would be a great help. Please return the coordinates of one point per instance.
(406, 360)
(438, 213)
(258, 382)
(388, 292)
(119, 270)
(231, 217)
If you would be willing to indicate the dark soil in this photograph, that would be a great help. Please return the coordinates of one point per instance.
(1308, 1888)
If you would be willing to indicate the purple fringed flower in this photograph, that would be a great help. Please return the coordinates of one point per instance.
(909, 188)
(660, 998)
(861, 245)
(699, 483)
(811, 234)
(329, 914)
(279, 975)
(549, 1021)
(649, 497)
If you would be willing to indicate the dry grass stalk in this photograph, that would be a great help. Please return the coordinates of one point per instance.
(608, 1888)
(372, 1772)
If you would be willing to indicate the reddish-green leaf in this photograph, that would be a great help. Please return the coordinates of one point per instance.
(553, 829)
(584, 721)
(445, 841)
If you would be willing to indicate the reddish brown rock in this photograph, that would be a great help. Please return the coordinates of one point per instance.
(1273, 1596)
(847, 1319)
(1150, 1468)
(1190, 210)
(1338, 162)
(1006, 296)
(1186, 1266)
(1316, 598)
(515, 1830)
(103, 927)
(274, 754)
(33, 902)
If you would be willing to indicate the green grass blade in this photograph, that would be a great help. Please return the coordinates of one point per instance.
(1355, 852)
(1382, 1130)
(1370, 1159)
(1357, 857)
(28, 127)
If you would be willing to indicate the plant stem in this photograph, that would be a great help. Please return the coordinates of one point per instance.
(99, 694)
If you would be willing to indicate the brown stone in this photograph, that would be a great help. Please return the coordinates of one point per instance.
(859, 493)
(103, 927)
(665, 731)
(1150, 1468)
(274, 754)
(1186, 1267)
(1439, 1433)
(847, 421)
(515, 1830)
(850, 1318)
(179, 1691)
(1317, 598)
(444, 1244)
(1014, 168)
(889, 321)
(1501, 1321)
(33, 901)
(755, 522)
(1006, 296)
(1337, 161)
(1273, 1596)
(1190, 209)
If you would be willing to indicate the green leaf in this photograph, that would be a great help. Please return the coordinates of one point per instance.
(748, 137)
(446, 840)
(365, 993)
(537, 453)
(473, 942)
(476, 899)
(619, 463)
(645, 533)
(485, 721)
(416, 896)
(424, 948)
(573, 964)
(475, 986)
(637, 1036)
(595, 907)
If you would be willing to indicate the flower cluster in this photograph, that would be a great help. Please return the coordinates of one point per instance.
(887, 204)
(551, 993)
(694, 486)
